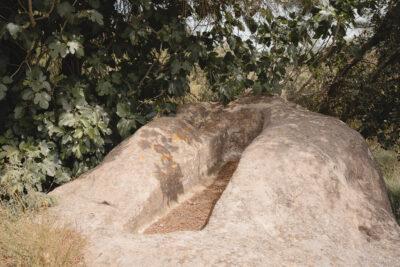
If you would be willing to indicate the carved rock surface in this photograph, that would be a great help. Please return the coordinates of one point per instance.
(306, 192)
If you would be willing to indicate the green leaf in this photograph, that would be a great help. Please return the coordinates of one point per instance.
(49, 168)
(27, 94)
(116, 77)
(175, 67)
(142, 120)
(7, 80)
(104, 88)
(93, 134)
(123, 110)
(44, 148)
(65, 9)
(77, 151)
(85, 122)
(58, 49)
(13, 29)
(96, 17)
(78, 133)
(3, 90)
(62, 176)
(133, 38)
(42, 98)
(67, 119)
(125, 126)
(74, 47)
(19, 112)
(92, 15)
(78, 90)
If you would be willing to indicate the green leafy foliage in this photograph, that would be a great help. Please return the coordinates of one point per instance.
(27, 166)
(78, 76)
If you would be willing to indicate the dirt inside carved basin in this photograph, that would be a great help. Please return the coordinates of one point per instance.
(193, 214)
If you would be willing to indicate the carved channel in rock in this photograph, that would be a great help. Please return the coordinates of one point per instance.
(190, 156)
(193, 214)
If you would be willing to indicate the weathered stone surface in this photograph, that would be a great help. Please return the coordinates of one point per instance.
(306, 192)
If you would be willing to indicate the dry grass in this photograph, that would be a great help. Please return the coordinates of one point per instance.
(24, 242)
(390, 167)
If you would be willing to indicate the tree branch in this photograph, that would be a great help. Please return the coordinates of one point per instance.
(30, 13)
(387, 24)
(46, 15)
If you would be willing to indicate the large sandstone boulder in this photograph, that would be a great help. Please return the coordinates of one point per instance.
(306, 192)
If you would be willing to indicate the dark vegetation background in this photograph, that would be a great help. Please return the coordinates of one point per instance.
(78, 76)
